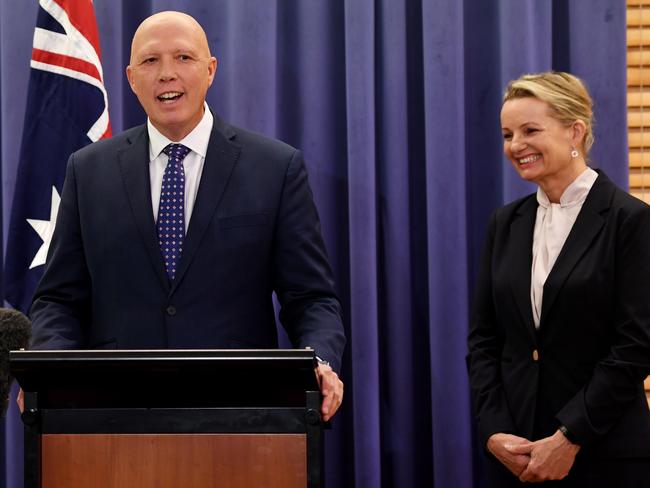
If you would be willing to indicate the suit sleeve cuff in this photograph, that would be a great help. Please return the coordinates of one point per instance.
(575, 418)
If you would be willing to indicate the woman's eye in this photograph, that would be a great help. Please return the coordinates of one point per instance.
(507, 137)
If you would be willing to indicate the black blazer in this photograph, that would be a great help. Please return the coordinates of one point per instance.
(254, 230)
(584, 368)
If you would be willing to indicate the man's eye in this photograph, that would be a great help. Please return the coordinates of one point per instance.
(149, 61)
(184, 57)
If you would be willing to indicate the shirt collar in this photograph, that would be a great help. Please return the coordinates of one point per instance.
(575, 193)
(197, 140)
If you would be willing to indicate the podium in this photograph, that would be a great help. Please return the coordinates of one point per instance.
(170, 418)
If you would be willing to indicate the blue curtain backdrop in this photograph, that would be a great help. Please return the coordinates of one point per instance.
(396, 106)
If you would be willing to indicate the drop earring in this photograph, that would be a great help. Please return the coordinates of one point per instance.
(575, 153)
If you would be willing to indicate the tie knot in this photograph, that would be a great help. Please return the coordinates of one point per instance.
(176, 152)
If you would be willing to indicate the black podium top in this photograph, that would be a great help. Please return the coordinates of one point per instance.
(166, 378)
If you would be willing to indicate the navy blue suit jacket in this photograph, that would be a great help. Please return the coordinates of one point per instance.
(254, 230)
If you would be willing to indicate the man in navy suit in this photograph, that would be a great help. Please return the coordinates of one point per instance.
(250, 228)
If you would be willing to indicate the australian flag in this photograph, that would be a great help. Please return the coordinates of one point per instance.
(67, 108)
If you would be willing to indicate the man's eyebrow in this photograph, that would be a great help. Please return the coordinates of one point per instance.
(187, 50)
(145, 54)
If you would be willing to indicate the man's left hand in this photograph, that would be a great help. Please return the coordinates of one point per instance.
(551, 458)
(331, 387)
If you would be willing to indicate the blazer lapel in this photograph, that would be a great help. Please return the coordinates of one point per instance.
(585, 229)
(133, 162)
(521, 251)
(219, 163)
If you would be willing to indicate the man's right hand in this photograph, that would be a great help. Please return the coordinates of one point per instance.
(498, 445)
(20, 400)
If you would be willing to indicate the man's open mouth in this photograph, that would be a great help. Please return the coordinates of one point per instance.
(169, 96)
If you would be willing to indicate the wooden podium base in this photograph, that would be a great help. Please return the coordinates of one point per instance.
(174, 460)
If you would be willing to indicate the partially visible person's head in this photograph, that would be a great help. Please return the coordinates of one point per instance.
(170, 71)
(15, 331)
(566, 95)
(546, 121)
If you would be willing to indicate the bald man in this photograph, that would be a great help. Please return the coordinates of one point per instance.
(175, 233)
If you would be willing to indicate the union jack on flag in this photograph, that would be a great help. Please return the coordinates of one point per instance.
(67, 108)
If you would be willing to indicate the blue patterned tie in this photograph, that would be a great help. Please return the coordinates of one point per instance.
(171, 210)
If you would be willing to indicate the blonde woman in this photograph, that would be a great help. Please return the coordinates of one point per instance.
(559, 340)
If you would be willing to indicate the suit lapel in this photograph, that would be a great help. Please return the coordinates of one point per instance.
(220, 161)
(521, 250)
(586, 228)
(134, 166)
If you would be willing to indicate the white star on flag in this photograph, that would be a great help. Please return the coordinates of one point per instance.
(45, 229)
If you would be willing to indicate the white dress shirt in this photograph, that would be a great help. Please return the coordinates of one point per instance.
(197, 141)
(552, 226)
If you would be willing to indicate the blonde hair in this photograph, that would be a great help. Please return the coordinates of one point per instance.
(566, 94)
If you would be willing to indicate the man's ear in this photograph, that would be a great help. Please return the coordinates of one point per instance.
(212, 69)
(129, 77)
